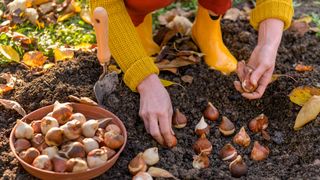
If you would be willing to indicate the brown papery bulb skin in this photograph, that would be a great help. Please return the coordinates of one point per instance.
(21, 145)
(259, 123)
(226, 127)
(203, 145)
(42, 162)
(54, 136)
(179, 120)
(29, 155)
(110, 152)
(36, 126)
(200, 161)
(47, 123)
(238, 167)
(259, 152)
(242, 138)
(113, 140)
(37, 140)
(74, 150)
(228, 153)
(211, 112)
(76, 165)
(137, 164)
(142, 176)
(114, 128)
(202, 127)
(59, 164)
(62, 112)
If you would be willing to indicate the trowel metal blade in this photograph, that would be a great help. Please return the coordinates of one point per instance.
(105, 86)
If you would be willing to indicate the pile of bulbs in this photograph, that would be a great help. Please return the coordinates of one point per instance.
(237, 166)
(64, 141)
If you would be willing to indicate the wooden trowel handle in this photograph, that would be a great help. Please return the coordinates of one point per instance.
(100, 23)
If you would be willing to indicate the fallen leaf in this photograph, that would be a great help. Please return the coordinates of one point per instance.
(308, 112)
(275, 77)
(303, 68)
(83, 100)
(38, 2)
(32, 15)
(181, 24)
(159, 172)
(173, 70)
(187, 79)
(17, 4)
(265, 135)
(9, 53)
(114, 68)
(46, 7)
(84, 47)
(13, 105)
(167, 83)
(315, 29)
(299, 28)
(73, 6)
(302, 94)
(232, 14)
(168, 36)
(65, 16)
(10, 82)
(48, 66)
(176, 63)
(61, 54)
(306, 19)
(85, 16)
(21, 38)
(34, 59)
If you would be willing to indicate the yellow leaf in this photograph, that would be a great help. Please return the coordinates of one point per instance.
(38, 2)
(83, 46)
(65, 16)
(302, 94)
(9, 53)
(61, 54)
(308, 112)
(306, 19)
(114, 68)
(85, 16)
(48, 66)
(34, 59)
(167, 83)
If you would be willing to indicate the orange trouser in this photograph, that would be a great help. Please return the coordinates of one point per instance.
(138, 9)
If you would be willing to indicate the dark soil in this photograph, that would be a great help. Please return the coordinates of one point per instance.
(294, 154)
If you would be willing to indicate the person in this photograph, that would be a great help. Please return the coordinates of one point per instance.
(131, 44)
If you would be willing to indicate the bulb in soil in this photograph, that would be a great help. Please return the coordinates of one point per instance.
(47, 123)
(42, 162)
(62, 112)
(171, 141)
(54, 136)
(259, 152)
(202, 145)
(59, 164)
(76, 165)
(89, 128)
(90, 144)
(50, 151)
(259, 123)
(78, 116)
(29, 155)
(179, 120)
(142, 176)
(36, 126)
(151, 156)
(97, 157)
(202, 127)
(114, 128)
(72, 129)
(23, 130)
(21, 144)
(200, 161)
(137, 164)
(242, 138)
(113, 140)
(73, 150)
(226, 127)
(228, 153)
(238, 167)
(211, 112)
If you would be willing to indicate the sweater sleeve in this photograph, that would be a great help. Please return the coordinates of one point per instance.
(125, 45)
(279, 9)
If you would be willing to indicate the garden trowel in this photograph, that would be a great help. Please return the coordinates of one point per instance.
(107, 81)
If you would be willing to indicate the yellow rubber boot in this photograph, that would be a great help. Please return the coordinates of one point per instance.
(145, 33)
(207, 34)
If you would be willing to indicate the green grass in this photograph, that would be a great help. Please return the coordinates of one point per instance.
(316, 21)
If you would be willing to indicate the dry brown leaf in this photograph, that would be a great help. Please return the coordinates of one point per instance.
(168, 36)
(38, 2)
(308, 112)
(13, 105)
(47, 7)
(173, 70)
(232, 14)
(10, 82)
(34, 59)
(83, 100)
(187, 79)
(61, 54)
(265, 135)
(85, 16)
(299, 27)
(32, 15)
(275, 77)
(9, 53)
(17, 4)
(303, 68)
(159, 172)
(181, 24)
(176, 63)
(302, 94)
(21, 38)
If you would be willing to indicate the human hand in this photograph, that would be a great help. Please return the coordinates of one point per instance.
(261, 63)
(156, 110)
(262, 60)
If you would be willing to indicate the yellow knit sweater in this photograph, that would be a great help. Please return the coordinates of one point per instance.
(128, 51)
